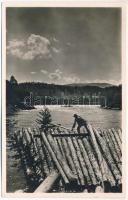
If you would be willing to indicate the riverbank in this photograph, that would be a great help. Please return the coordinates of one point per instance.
(110, 108)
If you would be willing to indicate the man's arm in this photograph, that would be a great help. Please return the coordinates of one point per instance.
(74, 124)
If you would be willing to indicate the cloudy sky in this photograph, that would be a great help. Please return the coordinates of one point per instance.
(64, 45)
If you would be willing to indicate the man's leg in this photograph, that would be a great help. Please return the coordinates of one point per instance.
(78, 129)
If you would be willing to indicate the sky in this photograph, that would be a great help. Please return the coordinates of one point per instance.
(64, 45)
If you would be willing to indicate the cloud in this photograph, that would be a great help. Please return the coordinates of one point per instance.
(35, 46)
(59, 77)
(14, 48)
(15, 44)
(55, 50)
(33, 72)
(55, 40)
(113, 82)
(44, 71)
(55, 76)
(71, 79)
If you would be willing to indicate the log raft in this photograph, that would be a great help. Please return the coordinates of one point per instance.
(61, 160)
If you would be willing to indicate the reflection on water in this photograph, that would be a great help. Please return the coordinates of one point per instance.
(98, 117)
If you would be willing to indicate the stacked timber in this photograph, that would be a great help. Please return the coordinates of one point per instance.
(59, 159)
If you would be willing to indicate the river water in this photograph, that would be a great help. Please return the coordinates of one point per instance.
(98, 117)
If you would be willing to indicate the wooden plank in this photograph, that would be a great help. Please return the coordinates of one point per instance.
(48, 183)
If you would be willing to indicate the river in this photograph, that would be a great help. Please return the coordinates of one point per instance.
(98, 117)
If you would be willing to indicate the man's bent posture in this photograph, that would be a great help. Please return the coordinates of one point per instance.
(80, 122)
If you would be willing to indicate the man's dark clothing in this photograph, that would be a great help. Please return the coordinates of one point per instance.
(81, 122)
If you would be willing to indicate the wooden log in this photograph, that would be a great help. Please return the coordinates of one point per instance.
(19, 191)
(27, 136)
(116, 142)
(48, 183)
(53, 155)
(48, 164)
(75, 160)
(108, 173)
(85, 191)
(61, 160)
(91, 174)
(99, 155)
(112, 151)
(99, 189)
(37, 146)
(81, 160)
(21, 145)
(108, 157)
(117, 138)
(119, 153)
(120, 134)
(111, 142)
(93, 161)
(68, 155)
(32, 155)
(58, 143)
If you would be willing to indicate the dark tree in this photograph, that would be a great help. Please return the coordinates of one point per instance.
(44, 118)
(13, 80)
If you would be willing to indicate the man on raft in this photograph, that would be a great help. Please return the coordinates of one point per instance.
(80, 122)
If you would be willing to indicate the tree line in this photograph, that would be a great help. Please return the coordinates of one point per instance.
(110, 96)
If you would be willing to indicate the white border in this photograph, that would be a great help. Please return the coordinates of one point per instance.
(69, 3)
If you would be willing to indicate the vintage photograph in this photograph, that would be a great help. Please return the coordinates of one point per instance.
(63, 100)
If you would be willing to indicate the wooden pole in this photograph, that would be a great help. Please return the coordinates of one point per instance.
(48, 183)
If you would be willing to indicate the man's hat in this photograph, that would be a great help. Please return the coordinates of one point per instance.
(75, 115)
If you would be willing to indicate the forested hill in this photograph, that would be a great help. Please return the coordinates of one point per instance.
(16, 92)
